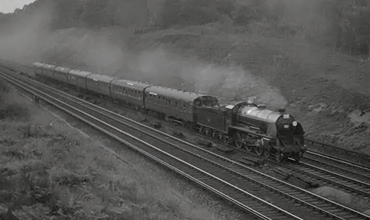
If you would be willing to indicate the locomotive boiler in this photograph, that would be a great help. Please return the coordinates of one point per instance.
(270, 132)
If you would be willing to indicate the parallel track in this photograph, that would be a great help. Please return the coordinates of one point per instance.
(350, 169)
(236, 179)
(352, 177)
(330, 178)
(324, 149)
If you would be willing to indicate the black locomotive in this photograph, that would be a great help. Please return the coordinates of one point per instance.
(245, 124)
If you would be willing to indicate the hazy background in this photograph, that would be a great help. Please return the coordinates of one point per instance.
(106, 37)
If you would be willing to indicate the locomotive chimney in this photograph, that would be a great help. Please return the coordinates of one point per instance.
(281, 110)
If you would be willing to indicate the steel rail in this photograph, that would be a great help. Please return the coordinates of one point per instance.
(339, 164)
(331, 178)
(359, 157)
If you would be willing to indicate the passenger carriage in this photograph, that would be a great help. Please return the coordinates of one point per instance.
(99, 84)
(38, 68)
(171, 102)
(61, 74)
(48, 71)
(129, 91)
(78, 78)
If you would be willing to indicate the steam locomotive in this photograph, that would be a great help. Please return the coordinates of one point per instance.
(245, 124)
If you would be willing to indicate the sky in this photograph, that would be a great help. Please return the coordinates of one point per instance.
(8, 6)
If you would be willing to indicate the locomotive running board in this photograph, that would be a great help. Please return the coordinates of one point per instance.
(249, 131)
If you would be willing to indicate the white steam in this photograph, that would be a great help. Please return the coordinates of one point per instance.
(229, 82)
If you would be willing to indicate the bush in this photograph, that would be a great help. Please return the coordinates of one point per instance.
(14, 111)
(9, 109)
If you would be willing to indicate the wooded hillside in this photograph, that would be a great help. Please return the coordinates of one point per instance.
(343, 24)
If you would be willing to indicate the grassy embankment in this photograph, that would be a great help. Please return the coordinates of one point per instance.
(49, 170)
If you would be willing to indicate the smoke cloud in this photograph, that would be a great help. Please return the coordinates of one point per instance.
(228, 82)
(22, 37)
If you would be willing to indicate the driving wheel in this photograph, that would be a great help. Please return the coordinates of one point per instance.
(259, 150)
(249, 148)
(238, 141)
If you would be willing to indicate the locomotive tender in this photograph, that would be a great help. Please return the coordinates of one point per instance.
(245, 124)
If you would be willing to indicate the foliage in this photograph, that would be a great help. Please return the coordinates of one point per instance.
(13, 111)
(8, 108)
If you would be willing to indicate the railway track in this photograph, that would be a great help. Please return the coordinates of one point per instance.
(228, 179)
(352, 177)
(326, 150)
(325, 176)
(353, 170)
